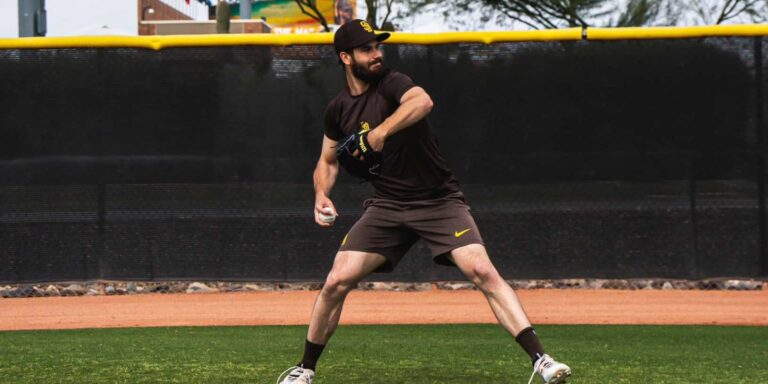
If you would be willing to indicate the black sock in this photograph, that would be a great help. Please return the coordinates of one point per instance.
(530, 342)
(312, 353)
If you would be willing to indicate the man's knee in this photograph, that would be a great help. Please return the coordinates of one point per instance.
(338, 285)
(483, 272)
(474, 262)
(348, 269)
(485, 276)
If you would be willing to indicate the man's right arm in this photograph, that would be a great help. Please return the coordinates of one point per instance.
(324, 178)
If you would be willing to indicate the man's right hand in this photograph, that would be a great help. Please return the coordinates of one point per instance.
(322, 203)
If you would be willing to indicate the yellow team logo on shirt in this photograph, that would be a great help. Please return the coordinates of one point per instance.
(366, 26)
(345, 240)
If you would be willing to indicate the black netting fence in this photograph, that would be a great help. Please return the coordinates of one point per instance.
(614, 159)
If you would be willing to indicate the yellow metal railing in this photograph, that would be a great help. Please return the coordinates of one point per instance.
(160, 42)
(675, 32)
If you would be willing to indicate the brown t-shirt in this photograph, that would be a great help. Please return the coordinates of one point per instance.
(412, 168)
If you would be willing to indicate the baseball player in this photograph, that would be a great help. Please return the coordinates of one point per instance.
(376, 128)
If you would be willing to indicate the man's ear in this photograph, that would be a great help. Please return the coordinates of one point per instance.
(345, 58)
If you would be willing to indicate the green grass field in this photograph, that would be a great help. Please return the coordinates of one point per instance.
(385, 354)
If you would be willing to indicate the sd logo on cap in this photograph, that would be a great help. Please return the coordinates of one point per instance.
(354, 34)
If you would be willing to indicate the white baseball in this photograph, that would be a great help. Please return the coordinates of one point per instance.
(329, 216)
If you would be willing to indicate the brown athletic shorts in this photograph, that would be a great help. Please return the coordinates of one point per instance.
(391, 227)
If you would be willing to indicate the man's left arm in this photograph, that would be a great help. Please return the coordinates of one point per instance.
(414, 106)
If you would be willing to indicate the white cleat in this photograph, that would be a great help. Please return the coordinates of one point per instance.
(297, 375)
(550, 370)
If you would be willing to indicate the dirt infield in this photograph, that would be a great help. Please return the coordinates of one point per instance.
(385, 307)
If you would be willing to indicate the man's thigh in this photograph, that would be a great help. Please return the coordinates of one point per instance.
(445, 227)
(470, 257)
(380, 231)
(355, 265)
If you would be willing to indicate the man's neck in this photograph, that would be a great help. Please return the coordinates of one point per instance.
(356, 86)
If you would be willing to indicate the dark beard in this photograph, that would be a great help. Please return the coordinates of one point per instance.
(362, 72)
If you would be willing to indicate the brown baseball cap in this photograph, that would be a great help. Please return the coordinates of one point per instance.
(355, 33)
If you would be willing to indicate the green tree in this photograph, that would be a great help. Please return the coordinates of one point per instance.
(538, 14)
(309, 8)
(373, 8)
(534, 14)
(638, 13)
(721, 11)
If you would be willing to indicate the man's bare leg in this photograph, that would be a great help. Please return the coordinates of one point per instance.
(474, 262)
(348, 269)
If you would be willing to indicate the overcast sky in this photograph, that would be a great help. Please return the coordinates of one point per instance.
(119, 17)
(76, 17)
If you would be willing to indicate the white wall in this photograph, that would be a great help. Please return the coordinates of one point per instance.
(9, 18)
(92, 17)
